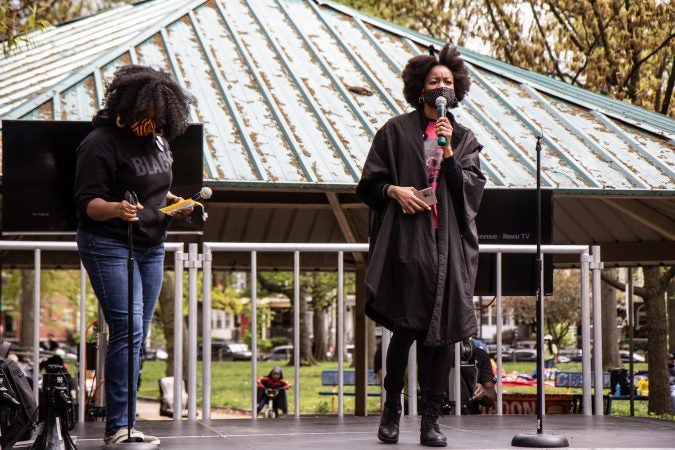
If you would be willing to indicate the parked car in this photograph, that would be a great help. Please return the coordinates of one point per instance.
(279, 353)
(563, 358)
(573, 354)
(153, 354)
(492, 351)
(521, 354)
(625, 356)
(230, 351)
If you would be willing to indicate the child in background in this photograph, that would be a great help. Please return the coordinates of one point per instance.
(274, 380)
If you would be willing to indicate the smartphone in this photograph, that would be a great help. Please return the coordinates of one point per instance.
(427, 196)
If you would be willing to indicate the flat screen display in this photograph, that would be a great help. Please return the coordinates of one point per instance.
(38, 174)
(509, 216)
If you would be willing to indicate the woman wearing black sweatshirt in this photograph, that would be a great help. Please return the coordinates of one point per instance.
(128, 152)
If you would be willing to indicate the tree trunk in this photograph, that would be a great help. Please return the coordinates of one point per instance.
(166, 318)
(27, 308)
(610, 338)
(306, 356)
(670, 296)
(320, 338)
(657, 352)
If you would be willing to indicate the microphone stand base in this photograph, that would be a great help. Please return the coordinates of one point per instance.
(131, 446)
(540, 440)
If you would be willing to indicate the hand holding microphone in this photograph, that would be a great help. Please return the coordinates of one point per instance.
(443, 126)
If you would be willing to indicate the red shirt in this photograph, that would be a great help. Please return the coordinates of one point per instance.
(433, 155)
(270, 383)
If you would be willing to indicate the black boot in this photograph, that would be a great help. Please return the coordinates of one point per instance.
(391, 414)
(430, 432)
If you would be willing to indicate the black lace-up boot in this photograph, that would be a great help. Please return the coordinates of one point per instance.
(391, 414)
(430, 432)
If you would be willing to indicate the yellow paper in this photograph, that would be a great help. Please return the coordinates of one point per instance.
(183, 204)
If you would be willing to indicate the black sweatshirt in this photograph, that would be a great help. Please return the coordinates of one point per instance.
(111, 161)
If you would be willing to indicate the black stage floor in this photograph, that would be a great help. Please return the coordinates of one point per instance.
(359, 433)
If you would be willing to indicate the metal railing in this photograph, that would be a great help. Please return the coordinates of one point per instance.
(37, 247)
(254, 248)
(194, 261)
(585, 265)
(339, 249)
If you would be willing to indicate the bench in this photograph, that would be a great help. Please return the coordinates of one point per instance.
(330, 378)
(575, 380)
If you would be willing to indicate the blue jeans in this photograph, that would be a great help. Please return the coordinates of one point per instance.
(106, 262)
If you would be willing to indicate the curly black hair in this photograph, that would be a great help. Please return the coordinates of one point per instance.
(135, 89)
(418, 67)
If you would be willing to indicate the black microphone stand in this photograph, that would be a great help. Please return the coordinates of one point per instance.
(129, 444)
(539, 439)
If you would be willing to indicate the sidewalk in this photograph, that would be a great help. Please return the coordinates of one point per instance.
(149, 410)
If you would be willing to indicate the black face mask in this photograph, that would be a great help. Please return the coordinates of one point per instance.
(431, 96)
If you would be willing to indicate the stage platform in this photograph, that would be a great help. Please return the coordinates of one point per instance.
(359, 433)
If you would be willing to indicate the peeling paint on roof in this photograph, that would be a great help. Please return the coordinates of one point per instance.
(292, 92)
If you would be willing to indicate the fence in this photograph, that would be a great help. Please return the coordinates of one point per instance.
(194, 261)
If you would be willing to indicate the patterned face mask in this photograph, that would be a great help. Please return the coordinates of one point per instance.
(449, 94)
(142, 128)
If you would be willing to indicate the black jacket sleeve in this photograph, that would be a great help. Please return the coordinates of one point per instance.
(94, 175)
(377, 174)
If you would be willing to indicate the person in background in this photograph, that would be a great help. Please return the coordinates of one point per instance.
(477, 381)
(550, 352)
(127, 158)
(273, 380)
(423, 185)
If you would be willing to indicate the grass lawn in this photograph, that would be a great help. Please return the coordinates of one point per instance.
(231, 386)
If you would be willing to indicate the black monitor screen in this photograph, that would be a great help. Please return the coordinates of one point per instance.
(38, 174)
(509, 216)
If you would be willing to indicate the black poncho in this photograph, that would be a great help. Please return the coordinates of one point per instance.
(419, 278)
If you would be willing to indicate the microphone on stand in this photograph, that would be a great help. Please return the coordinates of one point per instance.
(441, 103)
(204, 194)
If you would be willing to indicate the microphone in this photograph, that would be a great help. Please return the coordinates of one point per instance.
(203, 194)
(441, 103)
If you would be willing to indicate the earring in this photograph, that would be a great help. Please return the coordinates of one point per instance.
(420, 99)
(118, 122)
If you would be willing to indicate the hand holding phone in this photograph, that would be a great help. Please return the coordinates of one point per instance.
(427, 196)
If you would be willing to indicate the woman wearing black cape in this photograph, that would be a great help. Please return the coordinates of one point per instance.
(423, 248)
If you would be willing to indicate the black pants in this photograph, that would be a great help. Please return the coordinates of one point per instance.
(433, 365)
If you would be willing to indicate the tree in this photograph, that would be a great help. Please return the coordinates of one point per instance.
(281, 283)
(610, 337)
(19, 295)
(322, 292)
(27, 308)
(164, 312)
(20, 17)
(616, 48)
(223, 296)
(561, 311)
(656, 282)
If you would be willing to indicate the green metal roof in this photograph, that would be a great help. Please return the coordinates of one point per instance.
(292, 91)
